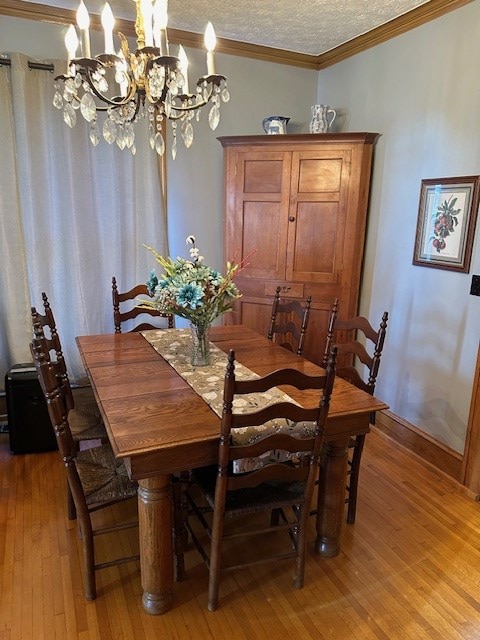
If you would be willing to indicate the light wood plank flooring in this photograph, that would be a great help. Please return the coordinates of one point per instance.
(409, 568)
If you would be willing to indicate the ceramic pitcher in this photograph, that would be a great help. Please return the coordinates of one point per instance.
(275, 124)
(322, 118)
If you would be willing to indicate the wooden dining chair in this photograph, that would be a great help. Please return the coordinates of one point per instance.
(364, 346)
(85, 419)
(281, 484)
(127, 299)
(96, 479)
(289, 322)
(86, 424)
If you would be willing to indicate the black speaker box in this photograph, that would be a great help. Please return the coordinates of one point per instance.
(29, 426)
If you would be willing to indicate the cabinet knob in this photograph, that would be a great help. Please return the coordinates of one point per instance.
(291, 219)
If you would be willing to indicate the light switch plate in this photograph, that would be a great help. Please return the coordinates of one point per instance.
(475, 288)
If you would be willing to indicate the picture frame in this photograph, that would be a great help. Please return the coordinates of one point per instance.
(446, 221)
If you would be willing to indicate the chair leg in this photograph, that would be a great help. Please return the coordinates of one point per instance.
(355, 472)
(71, 509)
(215, 560)
(301, 546)
(89, 558)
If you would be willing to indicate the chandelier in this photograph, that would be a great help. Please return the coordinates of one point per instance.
(126, 86)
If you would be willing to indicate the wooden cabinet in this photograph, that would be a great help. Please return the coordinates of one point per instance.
(295, 212)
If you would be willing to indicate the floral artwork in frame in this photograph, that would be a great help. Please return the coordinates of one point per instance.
(446, 223)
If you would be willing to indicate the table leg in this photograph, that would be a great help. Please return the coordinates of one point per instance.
(331, 497)
(155, 531)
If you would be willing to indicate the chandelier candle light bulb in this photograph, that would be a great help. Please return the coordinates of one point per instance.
(210, 44)
(108, 22)
(147, 12)
(83, 21)
(160, 21)
(146, 84)
(71, 42)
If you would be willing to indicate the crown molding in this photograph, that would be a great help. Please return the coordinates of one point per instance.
(245, 49)
(415, 18)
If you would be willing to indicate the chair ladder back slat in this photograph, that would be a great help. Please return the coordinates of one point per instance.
(350, 374)
(269, 473)
(358, 350)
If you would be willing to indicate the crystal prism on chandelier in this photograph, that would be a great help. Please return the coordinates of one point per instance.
(130, 86)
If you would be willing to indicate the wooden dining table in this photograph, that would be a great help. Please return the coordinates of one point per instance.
(158, 425)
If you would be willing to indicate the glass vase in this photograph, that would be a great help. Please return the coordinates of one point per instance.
(200, 345)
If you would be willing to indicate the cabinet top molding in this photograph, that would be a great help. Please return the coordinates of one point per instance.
(294, 139)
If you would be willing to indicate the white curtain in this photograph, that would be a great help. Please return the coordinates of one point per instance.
(72, 215)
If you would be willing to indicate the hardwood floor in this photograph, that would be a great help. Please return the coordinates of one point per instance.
(409, 568)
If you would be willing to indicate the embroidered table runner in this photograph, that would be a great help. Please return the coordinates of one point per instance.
(174, 345)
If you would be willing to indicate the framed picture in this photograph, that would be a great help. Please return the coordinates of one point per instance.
(446, 223)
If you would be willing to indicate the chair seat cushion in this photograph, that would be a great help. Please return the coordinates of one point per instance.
(103, 477)
(84, 419)
(269, 495)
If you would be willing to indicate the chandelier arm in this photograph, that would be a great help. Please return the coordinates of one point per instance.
(211, 82)
(117, 101)
(76, 97)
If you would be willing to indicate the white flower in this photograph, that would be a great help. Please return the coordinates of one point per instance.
(190, 240)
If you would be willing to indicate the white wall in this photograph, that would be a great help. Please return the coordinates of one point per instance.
(420, 91)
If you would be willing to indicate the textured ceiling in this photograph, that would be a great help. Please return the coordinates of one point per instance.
(303, 26)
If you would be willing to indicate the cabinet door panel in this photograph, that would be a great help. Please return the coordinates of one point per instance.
(319, 175)
(260, 234)
(263, 176)
(318, 209)
(315, 250)
(257, 212)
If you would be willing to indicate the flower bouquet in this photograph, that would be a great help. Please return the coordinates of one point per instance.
(190, 289)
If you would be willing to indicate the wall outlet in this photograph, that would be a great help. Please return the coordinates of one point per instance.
(475, 288)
